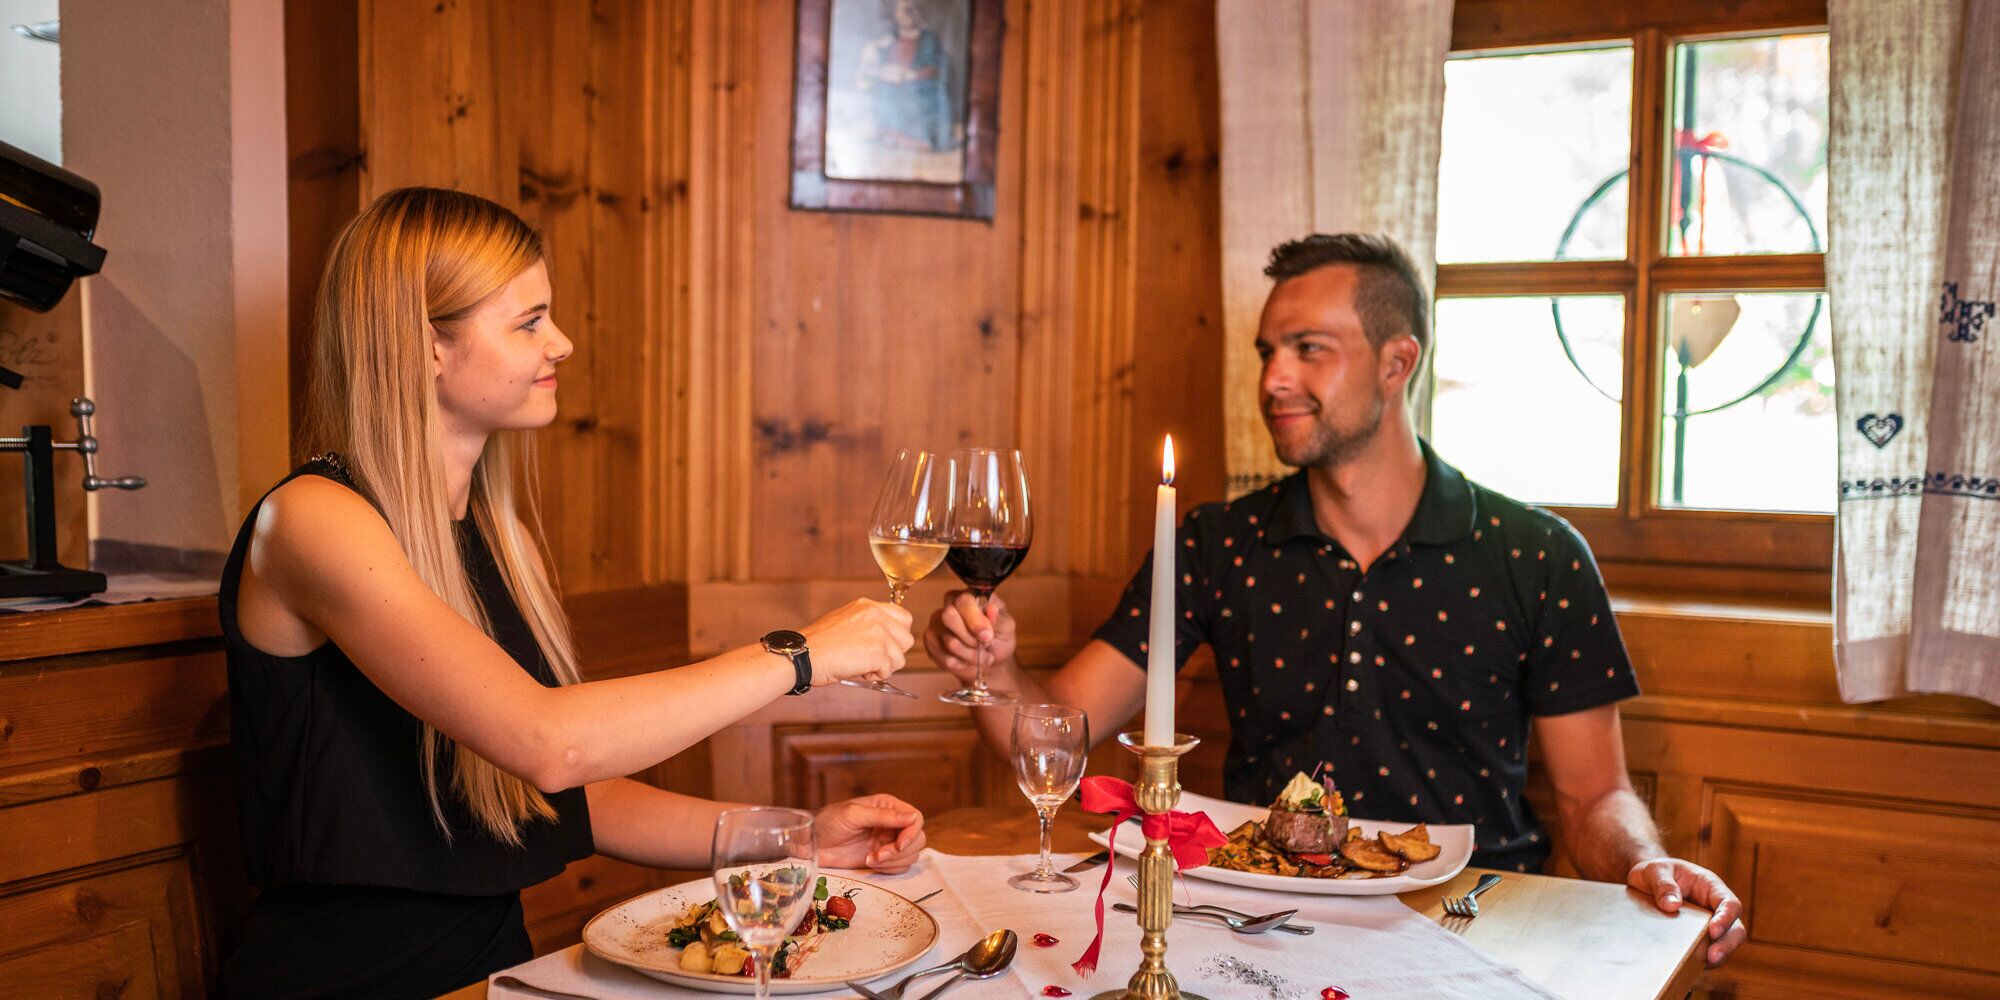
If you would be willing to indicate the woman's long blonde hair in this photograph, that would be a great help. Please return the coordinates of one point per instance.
(415, 261)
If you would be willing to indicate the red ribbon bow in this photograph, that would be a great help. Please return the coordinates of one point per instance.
(1188, 835)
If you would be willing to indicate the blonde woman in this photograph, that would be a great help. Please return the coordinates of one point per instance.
(413, 745)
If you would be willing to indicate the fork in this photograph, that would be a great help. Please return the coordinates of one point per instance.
(1241, 925)
(1210, 909)
(1468, 904)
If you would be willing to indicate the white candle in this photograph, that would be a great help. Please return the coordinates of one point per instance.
(1160, 625)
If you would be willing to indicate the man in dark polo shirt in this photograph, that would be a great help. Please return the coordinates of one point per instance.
(1378, 614)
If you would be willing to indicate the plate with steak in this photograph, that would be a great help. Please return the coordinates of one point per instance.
(1306, 842)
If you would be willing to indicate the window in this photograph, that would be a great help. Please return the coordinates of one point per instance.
(1632, 324)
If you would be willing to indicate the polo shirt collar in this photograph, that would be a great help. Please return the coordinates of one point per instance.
(1444, 514)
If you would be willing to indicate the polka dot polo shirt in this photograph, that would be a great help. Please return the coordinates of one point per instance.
(1414, 682)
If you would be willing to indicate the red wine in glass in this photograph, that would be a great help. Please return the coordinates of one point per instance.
(989, 536)
(984, 567)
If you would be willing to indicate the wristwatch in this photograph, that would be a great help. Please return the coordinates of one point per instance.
(792, 645)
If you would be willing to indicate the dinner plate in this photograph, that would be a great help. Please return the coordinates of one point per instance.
(887, 933)
(1454, 842)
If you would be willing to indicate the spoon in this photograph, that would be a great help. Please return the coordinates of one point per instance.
(981, 952)
(1241, 925)
(989, 958)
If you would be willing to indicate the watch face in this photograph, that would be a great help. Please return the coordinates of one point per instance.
(785, 640)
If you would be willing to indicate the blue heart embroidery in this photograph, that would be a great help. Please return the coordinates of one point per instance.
(1879, 430)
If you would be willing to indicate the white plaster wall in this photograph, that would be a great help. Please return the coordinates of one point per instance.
(184, 134)
(30, 92)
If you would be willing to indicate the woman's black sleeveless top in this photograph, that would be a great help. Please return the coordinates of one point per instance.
(337, 826)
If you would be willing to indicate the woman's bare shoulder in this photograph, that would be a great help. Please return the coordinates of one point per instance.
(308, 525)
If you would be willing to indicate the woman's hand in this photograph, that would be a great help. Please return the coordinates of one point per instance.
(953, 638)
(875, 831)
(862, 639)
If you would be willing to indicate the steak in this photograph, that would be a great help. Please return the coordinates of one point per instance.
(1305, 832)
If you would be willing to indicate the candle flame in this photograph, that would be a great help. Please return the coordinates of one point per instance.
(1167, 463)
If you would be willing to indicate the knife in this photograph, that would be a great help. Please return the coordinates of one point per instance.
(1090, 862)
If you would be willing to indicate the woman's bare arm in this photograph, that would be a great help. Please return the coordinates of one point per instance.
(330, 558)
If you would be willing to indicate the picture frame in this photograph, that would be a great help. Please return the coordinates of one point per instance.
(896, 106)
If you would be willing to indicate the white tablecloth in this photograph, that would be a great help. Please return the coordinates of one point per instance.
(1373, 947)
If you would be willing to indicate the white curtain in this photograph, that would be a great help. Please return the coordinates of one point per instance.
(1913, 270)
(1331, 112)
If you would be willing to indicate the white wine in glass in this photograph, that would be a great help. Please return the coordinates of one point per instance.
(909, 531)
(905, 562)
(765, 862)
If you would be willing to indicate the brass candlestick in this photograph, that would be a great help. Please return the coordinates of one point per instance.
(1157, 791)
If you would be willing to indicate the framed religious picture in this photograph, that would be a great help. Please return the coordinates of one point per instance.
(897, 107)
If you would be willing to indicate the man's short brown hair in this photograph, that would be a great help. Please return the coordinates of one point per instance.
(1389, 294)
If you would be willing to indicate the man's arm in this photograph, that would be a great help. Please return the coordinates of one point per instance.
(1098, 679)
(1608, 833)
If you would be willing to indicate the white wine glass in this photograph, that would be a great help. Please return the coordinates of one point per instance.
(765, 863)
(1050, 745)
(911, 528)
(990, 532)
(908, 533)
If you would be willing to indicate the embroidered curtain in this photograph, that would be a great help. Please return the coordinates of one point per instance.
(1331, 114)
(1913, 269)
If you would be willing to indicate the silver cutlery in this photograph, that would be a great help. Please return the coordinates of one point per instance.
(1197, 909)
(927, 895)
(1468, 904)
(1241, 925)
(982, 962)
(998, 946)
(1088, 863)
(883, 686)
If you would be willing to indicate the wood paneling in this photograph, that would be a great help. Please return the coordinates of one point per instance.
(936, 767)
(872, 334)
(1893, 863)
(127, 932)
(548, 108)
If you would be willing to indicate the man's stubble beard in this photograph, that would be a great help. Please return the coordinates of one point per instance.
(1330, 446)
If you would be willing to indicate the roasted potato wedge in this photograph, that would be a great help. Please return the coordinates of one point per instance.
(1414, 844)
(1370, 855)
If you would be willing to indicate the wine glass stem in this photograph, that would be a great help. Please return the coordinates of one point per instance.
(979, 662)
(1047, 869)
(764, 957)
(898, 591)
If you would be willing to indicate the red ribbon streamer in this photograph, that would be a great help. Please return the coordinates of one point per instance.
(1703, 146)
(1188, 835)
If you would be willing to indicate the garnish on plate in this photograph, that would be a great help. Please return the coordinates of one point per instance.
(708, 945)
(1307, 835)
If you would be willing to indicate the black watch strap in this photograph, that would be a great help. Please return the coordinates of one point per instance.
(792, 645)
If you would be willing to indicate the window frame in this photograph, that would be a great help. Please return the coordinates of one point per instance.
(1639, 541)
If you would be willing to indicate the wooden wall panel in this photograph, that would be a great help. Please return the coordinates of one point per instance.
(128, 932)
(936, 767)
(873, 333)
(1893, 862)
(549, 108)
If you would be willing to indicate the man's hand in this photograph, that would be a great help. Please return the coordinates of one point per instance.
(957, 629)
(875, 831)
(1669, 880)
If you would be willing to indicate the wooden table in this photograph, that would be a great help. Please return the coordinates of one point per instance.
(1576, 939)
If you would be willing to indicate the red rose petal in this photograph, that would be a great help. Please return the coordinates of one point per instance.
(1045, 941)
